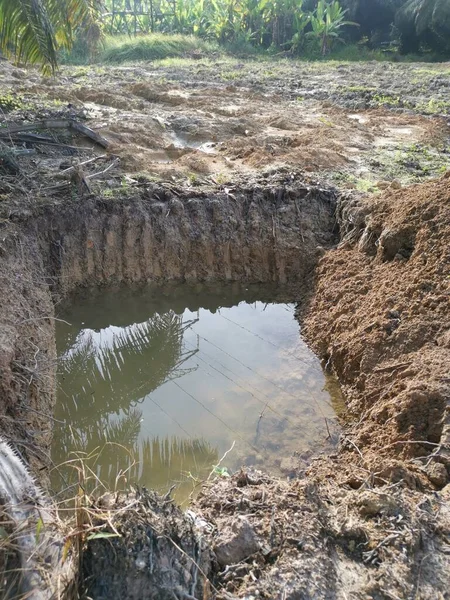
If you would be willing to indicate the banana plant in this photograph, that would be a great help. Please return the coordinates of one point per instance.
(327, 22)
(301, 22)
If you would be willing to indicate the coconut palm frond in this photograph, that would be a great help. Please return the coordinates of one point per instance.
(125, 431)
(424, 14)
(33, 30)
(68, 15)
(27, 31)
(425, 18)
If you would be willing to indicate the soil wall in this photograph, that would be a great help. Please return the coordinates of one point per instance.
(275, 234)
(256, 235)
(27, 347)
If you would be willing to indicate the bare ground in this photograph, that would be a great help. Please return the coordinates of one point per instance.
(371, 521)
(200, 123)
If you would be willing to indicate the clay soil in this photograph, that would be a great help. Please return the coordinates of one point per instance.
(372, 520)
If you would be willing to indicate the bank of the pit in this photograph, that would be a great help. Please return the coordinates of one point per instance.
(349, 527)
(372, 521)
(380, 318)
(269, 230)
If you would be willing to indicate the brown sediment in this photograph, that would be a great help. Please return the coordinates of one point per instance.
(373, 520)
(380, 318)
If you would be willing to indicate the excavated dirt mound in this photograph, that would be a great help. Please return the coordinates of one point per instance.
(380, 317)
(310, 539)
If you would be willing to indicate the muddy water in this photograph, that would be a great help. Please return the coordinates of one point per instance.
(156, 385)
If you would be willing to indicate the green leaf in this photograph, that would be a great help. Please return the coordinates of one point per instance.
(33, 30)
(101, 535)
(39, 526)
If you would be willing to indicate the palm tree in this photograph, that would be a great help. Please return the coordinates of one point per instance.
(34, 30)
(424, 21)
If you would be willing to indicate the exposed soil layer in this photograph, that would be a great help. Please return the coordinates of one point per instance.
(371, 521)
(27, 352)
(255, 234)
(159, 554)
(214, 122)
(380, 318)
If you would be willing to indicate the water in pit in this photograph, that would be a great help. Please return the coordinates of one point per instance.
(156, 385)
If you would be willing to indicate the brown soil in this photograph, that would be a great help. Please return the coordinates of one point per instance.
(315, 540)
(380, 318)
(167, 128)
(371, 521)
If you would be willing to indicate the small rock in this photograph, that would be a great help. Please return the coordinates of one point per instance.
(382, 185)
(288, 465)
(236, 543)
(437, 474)
(371, 504)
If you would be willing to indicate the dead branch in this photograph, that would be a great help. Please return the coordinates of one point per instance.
(56, 124)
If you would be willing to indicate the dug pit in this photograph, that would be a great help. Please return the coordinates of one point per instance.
(271, 231)
(369, 520)
(158, 384)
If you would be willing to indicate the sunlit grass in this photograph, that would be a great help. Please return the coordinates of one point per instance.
(157, 46)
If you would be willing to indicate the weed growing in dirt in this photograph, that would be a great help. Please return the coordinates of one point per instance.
(10, 101)
(358, 89)
(405, 164)
(434, 107)
(386, 100)
(361, 184)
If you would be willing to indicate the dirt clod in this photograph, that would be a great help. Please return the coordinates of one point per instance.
(437, 474)
(235, 543)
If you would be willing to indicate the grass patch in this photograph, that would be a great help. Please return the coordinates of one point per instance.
(157, 46)
(434, 107)
(10, 101)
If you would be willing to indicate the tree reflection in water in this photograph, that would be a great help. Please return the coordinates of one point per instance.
(104, 375)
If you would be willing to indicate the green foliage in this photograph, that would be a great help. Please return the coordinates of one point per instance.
(278, 24)
(41, 31)
(221, 471)
(101, 535)
(9, 102)
(33, 30)
(425, 22)
(327, 23)
(156, 46)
